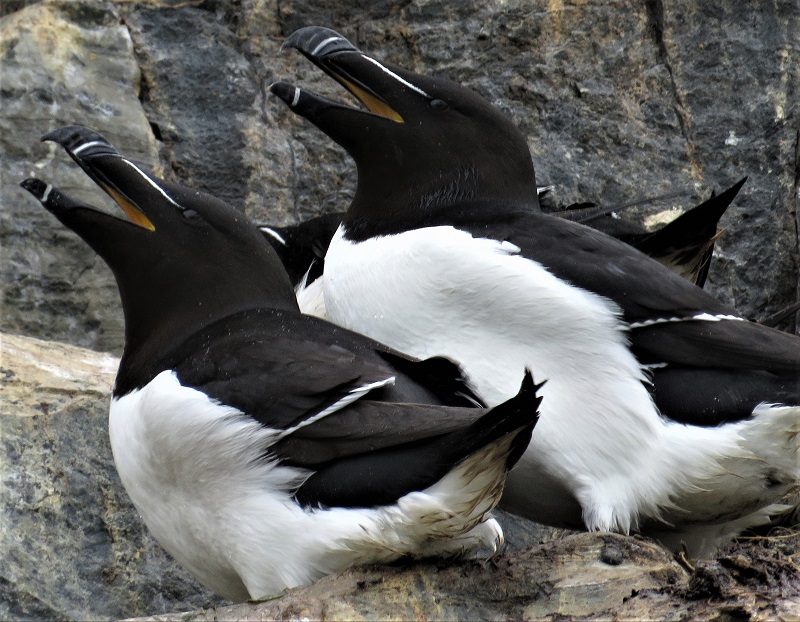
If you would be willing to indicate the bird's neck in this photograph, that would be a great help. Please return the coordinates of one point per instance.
(390, 203)
(156, 326)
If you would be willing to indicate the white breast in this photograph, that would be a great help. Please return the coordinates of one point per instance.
(195, 470)
(600, 440)
(310, 298)
(190, 468)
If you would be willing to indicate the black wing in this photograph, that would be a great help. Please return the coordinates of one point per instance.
(711, 397)
(688, 241)
(283, 369)
(657, 303)
(383, 476)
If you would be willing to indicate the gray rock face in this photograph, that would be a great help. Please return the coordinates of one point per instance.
(62, 63)
(72, 547)
(619, 101)
(571, 577)
(582, 577)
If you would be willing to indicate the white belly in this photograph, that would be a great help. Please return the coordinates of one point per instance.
(196, 474)
(188, 465)
(600, 440)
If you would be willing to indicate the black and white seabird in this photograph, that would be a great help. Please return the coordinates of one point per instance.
(663, 411)
(302, 246)
(264, 448)
(685, 245)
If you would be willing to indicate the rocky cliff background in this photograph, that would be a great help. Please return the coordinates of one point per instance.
(620, 100)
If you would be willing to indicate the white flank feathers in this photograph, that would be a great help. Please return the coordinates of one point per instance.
(195, 470)
(310, 297)
(601, 453)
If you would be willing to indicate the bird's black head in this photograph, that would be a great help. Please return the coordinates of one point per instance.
(422, 143)
(182, 259)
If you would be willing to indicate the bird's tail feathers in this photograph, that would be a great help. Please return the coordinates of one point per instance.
(516, 416)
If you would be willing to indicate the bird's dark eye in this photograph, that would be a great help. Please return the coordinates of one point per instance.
(190, 214)
(439, 105)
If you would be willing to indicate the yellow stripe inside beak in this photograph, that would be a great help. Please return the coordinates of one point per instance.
(134, 214)
(372, 103)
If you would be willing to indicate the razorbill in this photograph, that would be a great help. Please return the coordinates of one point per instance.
(685, 245)
(264, 448)
(663, 412)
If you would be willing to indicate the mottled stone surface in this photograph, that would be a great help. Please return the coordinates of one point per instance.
(581, 577)
(62, 63)
(569, 577)
(71, 545)
(620, 100)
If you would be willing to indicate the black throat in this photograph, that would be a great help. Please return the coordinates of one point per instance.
(382, 206)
